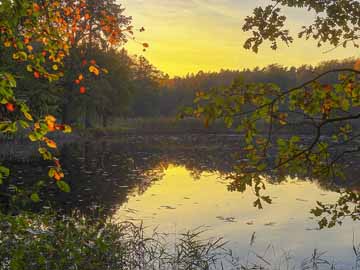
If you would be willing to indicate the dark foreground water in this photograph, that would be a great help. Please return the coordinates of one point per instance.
(176, 183)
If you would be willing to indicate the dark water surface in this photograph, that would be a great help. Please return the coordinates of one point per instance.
(177, 183)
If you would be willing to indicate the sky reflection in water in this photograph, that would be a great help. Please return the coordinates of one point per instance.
(179, 202)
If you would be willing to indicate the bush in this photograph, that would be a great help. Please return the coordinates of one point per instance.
(33, 241)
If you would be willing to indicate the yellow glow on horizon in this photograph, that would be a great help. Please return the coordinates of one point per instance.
(186, 36)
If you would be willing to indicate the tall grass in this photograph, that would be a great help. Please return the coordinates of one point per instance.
(34, 241)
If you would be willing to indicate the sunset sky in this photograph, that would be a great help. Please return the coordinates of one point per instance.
(186, 36)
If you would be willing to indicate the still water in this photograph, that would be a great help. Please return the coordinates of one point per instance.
(178, 202)
(178, 183)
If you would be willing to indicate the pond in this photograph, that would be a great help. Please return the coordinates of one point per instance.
(179, 183)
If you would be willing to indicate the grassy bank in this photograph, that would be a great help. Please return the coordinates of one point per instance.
(33, 242)
(44, 241)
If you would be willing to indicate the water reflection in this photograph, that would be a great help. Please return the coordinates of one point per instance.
(177, 202)
(180, 182)
(104, 173)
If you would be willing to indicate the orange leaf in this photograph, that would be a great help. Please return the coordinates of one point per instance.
(51, 126)
(36, 7)
(58, 175)
(94, 70)
(82, 90)
(51, 143)
(50, 119)
(10, 107)
(357, 65)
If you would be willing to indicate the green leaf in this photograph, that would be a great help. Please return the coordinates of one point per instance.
(4, 171)
(32, 137)
(63, 186)
(23, 124)
(35, 197)
(46, 155)
(51, 172)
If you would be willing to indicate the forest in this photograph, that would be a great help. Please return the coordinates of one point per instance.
(134, 88)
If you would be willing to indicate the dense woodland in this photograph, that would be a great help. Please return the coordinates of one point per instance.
(134, 88)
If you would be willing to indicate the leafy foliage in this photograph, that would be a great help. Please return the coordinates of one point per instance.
(266, 113)
(336, 23)
(40, 37)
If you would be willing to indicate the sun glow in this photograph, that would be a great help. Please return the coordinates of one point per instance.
(186, 36)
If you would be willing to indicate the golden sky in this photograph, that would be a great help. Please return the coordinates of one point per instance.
(186, 36)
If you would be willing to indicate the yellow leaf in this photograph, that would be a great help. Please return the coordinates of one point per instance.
(28, 116)
(67, 129)
(7, 44)
(32, 137)
(94, 70)
(50, 119)
(105, 71)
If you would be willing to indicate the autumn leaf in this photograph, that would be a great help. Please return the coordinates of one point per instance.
(7, 44)
(82, 90)
(50, 122)
(105, 70)
(67, 129)
(36, 7)
(50, 143)
(10, 107)
(94, 70)
(50, 118)
(58, 175)
(357, 65)
(28, 116)
(327, 88)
